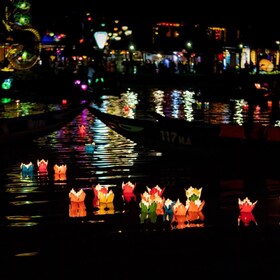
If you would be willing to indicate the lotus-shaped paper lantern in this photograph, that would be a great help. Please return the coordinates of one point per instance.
(193, 202)
(77, 206)
(168, 210)
(90, 147)
(96, 191)
(42, 166)
(179, 215)
(148, 208)
(27, 170)
(160, 204)
(193, 193)
(155, 191)
(147, 204)
(246, 205)
(128, 191)
(60, 169)
(60, 172)
(179, 208)
(105, 198)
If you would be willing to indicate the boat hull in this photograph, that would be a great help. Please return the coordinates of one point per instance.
(177, 137)
(30, 127)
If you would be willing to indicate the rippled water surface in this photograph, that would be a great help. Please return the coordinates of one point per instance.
(33, 199)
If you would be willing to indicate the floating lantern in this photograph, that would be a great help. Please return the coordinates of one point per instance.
(60, 172)
(89, 148)
(193, 202)
(105, 198)
(60, 169)
(148, 208)
(179, 208)
(160, 205)
(246, 207)
(77, 207)
(42, 166)
(96, 190)
(27, 170)
(179, 215)
(29, 167)
(128, 192)
(168, 209)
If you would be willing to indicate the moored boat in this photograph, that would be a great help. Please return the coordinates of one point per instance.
(175, 137)
(29, 127)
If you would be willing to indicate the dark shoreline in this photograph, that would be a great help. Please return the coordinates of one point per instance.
(33, 83)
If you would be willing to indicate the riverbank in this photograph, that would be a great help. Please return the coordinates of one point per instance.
(30, 84)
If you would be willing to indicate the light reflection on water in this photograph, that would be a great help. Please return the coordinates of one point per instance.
(37, 199)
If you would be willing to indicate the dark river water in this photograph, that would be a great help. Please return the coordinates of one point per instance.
(29, 201)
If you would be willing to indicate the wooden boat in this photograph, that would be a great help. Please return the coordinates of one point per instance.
(24, 128)
(173, 136)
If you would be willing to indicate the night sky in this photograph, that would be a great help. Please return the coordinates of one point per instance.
(238, 13)
(230, 12)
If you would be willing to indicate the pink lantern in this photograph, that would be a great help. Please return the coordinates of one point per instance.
(246, 207)
(128, 191)
(42, 166)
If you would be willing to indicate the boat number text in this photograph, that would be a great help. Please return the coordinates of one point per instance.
(173, 137)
